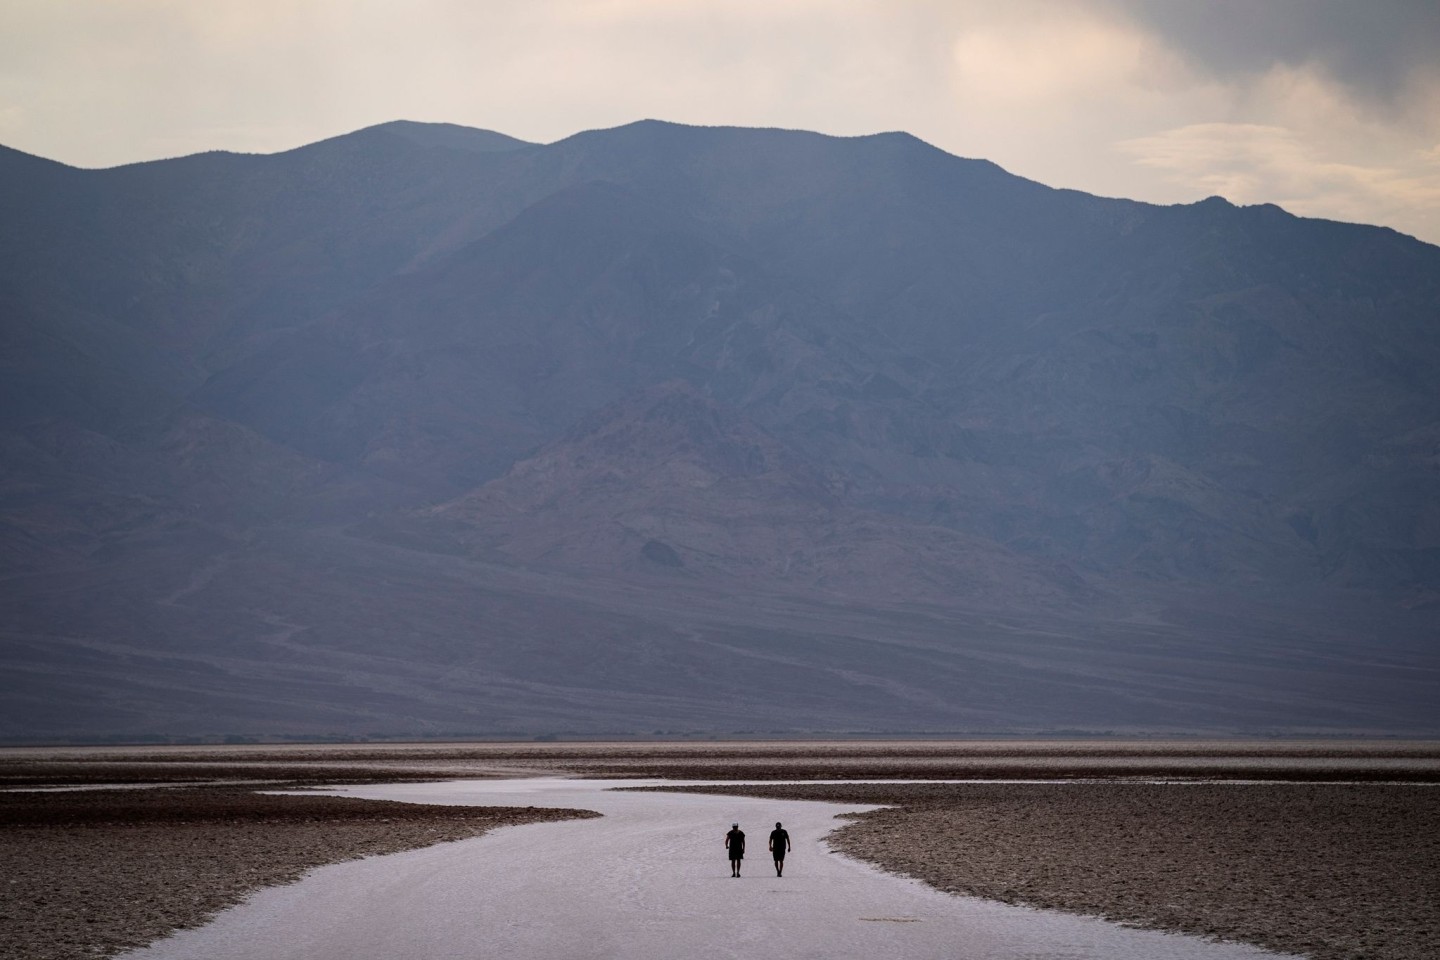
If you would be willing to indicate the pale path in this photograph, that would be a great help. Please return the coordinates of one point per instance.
(650, 881)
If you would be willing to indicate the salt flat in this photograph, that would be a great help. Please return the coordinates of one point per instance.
(649, 880)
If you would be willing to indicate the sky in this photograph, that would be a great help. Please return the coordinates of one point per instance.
(1329, 108)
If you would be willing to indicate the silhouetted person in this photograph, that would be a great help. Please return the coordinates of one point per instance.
(779, 846)
(735, 843)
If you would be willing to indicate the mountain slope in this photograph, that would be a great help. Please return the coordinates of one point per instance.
(872, 383)
(670, 484)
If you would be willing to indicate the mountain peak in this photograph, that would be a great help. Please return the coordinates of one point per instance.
(451, 135)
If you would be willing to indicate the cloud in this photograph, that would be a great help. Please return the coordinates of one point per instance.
(1297, 137)
(1098, 95)
(1047, 89)
(1255, 102)
(1061, 58)
(1377, 49)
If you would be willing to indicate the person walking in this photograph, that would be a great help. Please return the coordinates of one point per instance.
(779, 846)
(735, 844)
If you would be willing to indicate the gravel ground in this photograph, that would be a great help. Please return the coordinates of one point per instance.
(1330, 871)
(93, 873)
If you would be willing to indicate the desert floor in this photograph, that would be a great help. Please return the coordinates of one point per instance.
(1327, 849)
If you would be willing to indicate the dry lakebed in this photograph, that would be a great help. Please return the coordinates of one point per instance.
(1325, 849)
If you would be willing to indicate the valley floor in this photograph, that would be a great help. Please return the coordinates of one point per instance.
(1312, 866)
(1330, 871)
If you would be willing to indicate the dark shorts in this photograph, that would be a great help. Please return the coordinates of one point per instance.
(778, 853)
(737, 856)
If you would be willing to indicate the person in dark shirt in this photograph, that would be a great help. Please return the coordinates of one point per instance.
(779, 846)
(735, 844)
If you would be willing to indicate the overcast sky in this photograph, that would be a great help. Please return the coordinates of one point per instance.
(1330, 108)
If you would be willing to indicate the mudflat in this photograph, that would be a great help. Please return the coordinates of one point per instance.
(92, 873)
(1335, 855)
(1331, 871)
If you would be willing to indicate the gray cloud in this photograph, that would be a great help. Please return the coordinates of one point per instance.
(1376, 48)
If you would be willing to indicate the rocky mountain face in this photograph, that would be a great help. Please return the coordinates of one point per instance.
(424, 430)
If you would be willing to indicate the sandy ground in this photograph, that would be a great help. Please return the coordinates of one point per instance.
(1329, 870)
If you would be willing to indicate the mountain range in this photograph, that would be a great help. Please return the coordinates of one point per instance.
(428, 431)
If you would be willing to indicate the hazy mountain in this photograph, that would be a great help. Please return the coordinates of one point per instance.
(411, 430)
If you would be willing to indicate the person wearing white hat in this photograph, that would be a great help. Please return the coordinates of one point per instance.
(735, 845)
